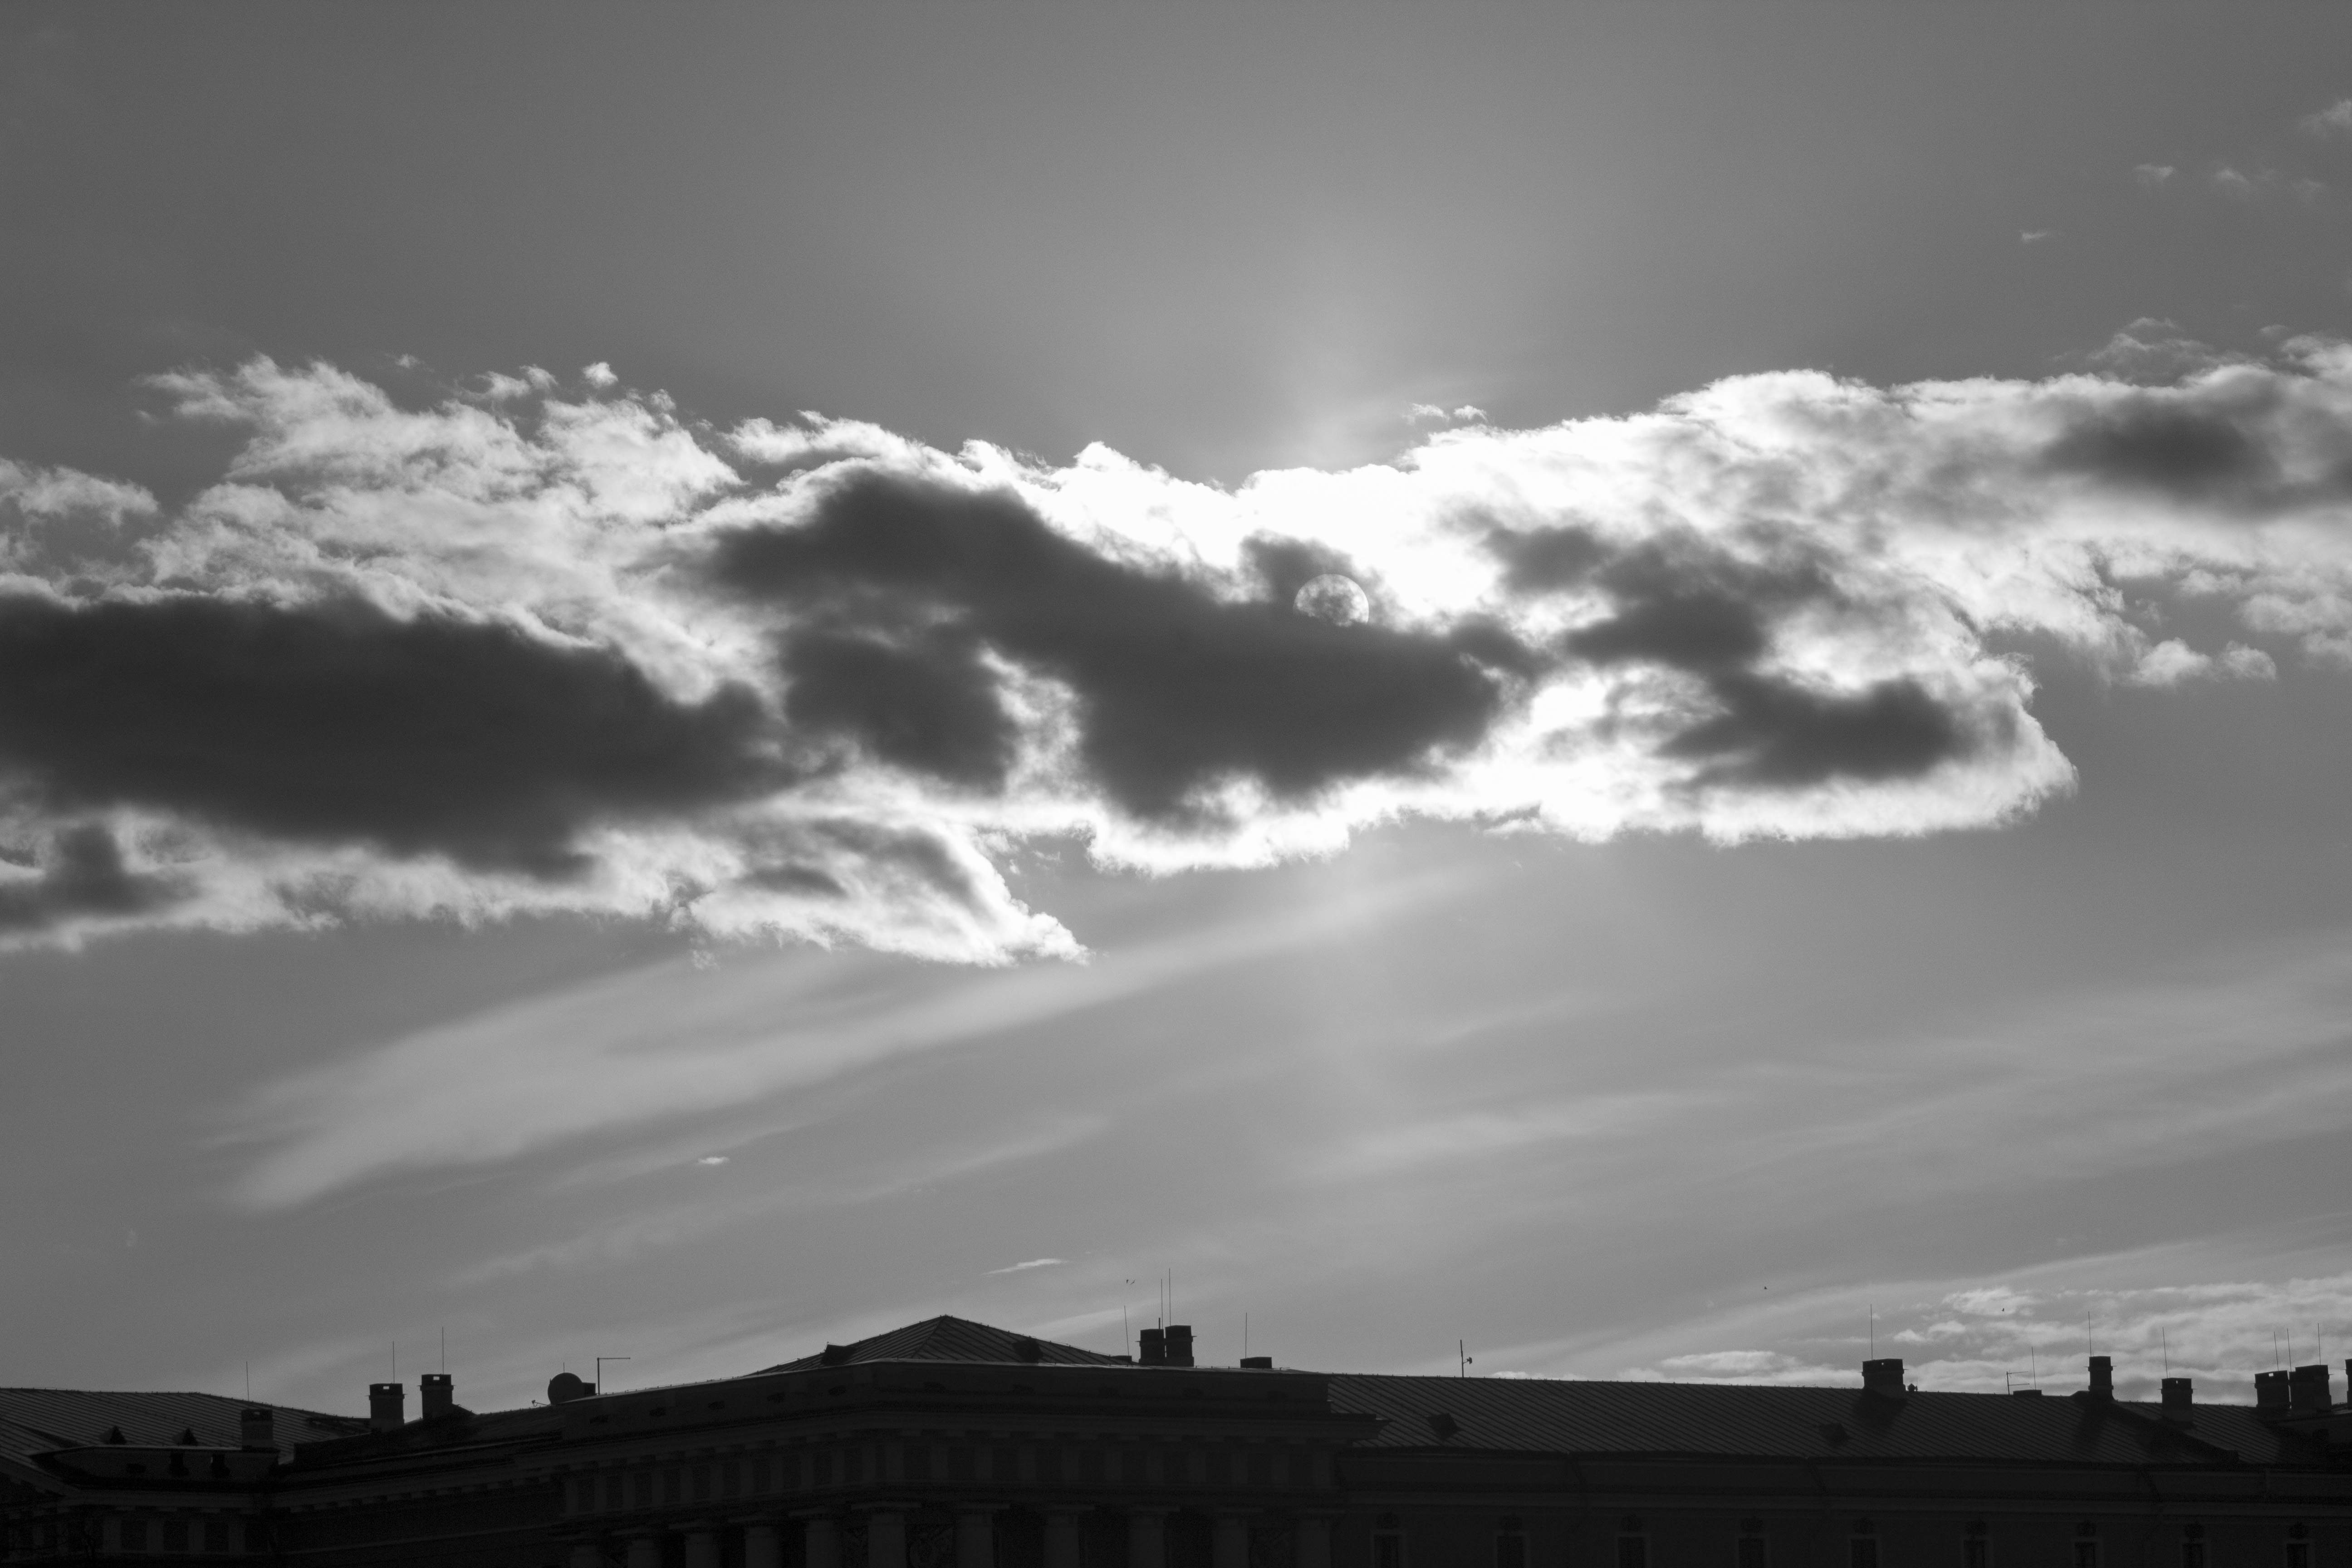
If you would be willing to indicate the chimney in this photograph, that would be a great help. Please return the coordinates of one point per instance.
(1179, 1344)
(257, 1428)
(2103, 1377)
(436, 1394)
(2180, 1400)
(2270, 1396)
(1884, 1376)
(387, 1404)
(2307, 1390)
(1154, 1348)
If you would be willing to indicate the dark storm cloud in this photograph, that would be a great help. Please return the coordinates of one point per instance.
(1177, 687)
(2167, 445)
(1777, 734)
(1537, 559)
(338, 722)
(1690, 605)
(83, 877)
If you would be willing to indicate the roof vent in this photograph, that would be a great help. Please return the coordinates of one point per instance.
(1154, 1348)
(436, 1395)
(388, 1407)
(1884, 1376)
(1257, 1363)
(114, 1437)
(2103, 1377)
(1179, 1344)
(564, 1387)
(1442, 1424)
(832, 1355)
(2180, 1400)
(187, 1438)
(256, 1427)
(1027, 1348)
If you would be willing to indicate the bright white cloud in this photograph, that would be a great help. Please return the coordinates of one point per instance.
(1777, 606)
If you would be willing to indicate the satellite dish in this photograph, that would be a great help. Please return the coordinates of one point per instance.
(567, 1386)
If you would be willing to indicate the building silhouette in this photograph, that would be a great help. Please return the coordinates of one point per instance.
(949, 1444)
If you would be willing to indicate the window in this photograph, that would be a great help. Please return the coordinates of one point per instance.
(583, 1495)
(1976, 1551)
(613, 1492)
(175, 1535)
(1510, 1549)
(1004, 1464)
(134, 1535)
(673, 1486)
(2192, 1546)
(1753, 1552)
(2298, 1554)
(1130, 1467)
(217, 1535)
(958, 1463)
(2087, 1552)
(1862, 1551)
(1388, 1549)
(1633, 1552)
(645, 1489)
(730, 1478)
(918, 1461)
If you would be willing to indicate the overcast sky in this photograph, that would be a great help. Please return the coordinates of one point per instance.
(674, 684)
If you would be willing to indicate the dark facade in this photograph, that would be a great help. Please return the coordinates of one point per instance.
(949, 1442)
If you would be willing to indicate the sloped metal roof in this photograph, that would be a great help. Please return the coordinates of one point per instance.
(36, 1420)
(1529, 1416)
(952, 1339)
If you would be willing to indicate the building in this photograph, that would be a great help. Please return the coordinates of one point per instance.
(951, 1443)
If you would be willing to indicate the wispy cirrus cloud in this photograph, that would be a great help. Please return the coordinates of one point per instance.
(2336, 120)
(668, 1044)
(545, 646)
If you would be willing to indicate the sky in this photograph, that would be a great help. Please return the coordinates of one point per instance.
(1647, 692)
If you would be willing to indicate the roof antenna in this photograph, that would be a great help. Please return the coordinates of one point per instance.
(1245, 1336)
(1872, 1310)
(444, 1348)
(2165, 1341)
(248, 1382)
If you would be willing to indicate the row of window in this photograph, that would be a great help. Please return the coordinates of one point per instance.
(1007, 1464)
(133, 1532)
(1752, 1548)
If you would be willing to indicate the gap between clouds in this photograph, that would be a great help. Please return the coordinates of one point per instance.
(535, 645)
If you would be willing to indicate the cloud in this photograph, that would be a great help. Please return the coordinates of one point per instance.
(2035, 235)
(533, 648)
(668, 1044)
(1985, 1338)
(2263, 182)
(2336, 120)
(1032, 1263)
